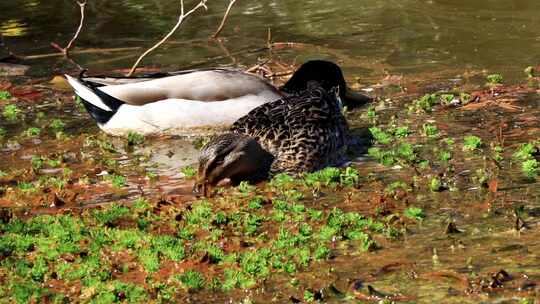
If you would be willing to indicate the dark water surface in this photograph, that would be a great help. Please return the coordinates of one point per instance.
(382, 36)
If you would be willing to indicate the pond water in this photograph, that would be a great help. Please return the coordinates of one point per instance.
(454, 220)
(372, 37)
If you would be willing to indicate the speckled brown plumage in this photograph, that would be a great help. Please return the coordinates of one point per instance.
(304, 132)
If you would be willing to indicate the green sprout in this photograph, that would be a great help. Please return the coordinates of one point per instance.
(430, 130)
(494, 79)
(445, 156)
(32, 132)
(3, 132)
(447, 99)
(371, 113)
(435, 185)
(530, 168)
(134, 138)
(415, 213)
(529, 71)
(424, 104)
(11, 112)
(525, 151)
(37, 162)
(465, 98)
(4, 95)
(309, 296)
(380, 136)
(57, 125)
(118, 181)
(401, 132)
(471, 143)
(192, 280)
(188, 171)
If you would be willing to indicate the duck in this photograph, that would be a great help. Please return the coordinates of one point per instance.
(193, 102)
(304, 132)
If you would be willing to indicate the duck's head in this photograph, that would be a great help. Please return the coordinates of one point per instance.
(329, 76)
(234, 156)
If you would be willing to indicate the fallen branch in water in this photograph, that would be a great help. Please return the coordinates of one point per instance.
(181, 18)
(84, 51)
(224, 20)
(66, 49)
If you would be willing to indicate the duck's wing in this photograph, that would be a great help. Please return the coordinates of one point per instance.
(199, 85)
(303, 132)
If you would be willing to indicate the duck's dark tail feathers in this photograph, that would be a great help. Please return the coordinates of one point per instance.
(99, 105)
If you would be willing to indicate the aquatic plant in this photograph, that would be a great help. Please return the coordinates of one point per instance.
(188, 171)
(4, 95)
(11, 112)
(430, 130)
(32, 132)
(380, 136)
(415, 213)
(134, 138)
(471, 143)
(494, 79)
(530, 168)
(57, 125)
(435, 184)
(424, 103)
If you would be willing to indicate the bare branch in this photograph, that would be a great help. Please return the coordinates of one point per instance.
(181, 18)
(220, 28)
(66, 49)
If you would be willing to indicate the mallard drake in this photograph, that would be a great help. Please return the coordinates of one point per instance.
(195, 101)
(304, 132)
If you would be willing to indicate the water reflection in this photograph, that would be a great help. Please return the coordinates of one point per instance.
(406, 37)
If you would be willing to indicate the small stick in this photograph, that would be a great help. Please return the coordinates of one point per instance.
(85, 51)
(220, 28)
(66, 49)
(181, 18)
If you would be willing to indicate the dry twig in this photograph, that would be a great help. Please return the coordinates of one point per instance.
(181, 18)
(66, 49)
(220, 28)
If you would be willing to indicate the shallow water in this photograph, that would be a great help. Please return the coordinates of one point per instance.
(434, 45)
(372, 37)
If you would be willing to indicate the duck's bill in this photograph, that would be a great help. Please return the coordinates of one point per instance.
(354, 99)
